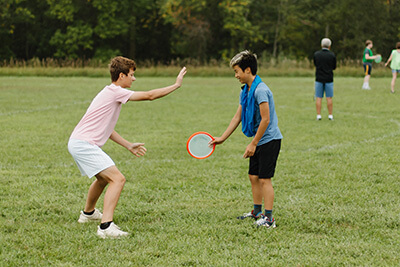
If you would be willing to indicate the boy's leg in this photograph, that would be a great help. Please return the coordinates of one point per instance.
(367, 70)
(366, 82)
(257, 199)
(268, 193)
(256, 189)
(394, 74)
(116, 182)
(94, 193)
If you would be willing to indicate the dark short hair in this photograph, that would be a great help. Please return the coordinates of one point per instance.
(244, 60)
(120, 64)
(368, 42)
(398, 45)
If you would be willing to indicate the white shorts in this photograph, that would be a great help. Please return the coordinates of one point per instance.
(90, 159)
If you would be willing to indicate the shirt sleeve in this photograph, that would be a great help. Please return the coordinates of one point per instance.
(123, 95)
(261, 94)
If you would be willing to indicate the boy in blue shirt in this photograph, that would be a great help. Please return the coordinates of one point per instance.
(257, 114)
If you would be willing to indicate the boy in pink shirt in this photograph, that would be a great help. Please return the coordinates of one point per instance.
(92, 132)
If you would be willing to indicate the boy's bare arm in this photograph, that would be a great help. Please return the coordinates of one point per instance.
(158, 93)
(264, 112)
(387, 62)
(237, 118)
(372, 57)
(136, 149)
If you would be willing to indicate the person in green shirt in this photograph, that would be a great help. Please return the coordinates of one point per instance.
(395, 65)
(368, 58)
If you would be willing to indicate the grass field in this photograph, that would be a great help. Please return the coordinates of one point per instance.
(285, 68)
(337, 186)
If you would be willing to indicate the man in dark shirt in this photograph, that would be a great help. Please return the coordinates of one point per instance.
(325, 63)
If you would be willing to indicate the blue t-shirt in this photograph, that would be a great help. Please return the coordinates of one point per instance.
(263, 94)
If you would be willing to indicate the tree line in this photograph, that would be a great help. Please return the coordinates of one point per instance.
(204, 30)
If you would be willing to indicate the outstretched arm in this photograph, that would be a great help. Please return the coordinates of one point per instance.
(387, 62)
(158, 93)
(136, 149)
(237, 118)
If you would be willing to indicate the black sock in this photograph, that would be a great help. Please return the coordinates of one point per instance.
(257, 209)
(268, 214)
(105, 225)
(88, 213)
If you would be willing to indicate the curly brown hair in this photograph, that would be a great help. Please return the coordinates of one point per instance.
(120, 64)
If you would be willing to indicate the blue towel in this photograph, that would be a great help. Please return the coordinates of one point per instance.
(248, 107)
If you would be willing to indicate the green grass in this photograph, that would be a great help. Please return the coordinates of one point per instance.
(283, 69)
(337, 186)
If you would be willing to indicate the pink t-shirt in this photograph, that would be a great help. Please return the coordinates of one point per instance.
(102, 115)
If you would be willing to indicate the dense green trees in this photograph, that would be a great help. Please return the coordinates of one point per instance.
(163, 30)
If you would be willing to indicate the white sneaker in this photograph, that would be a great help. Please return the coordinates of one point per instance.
(96, 216)
(319, 117)
(330, 117)
(113, 231)
(265, 222)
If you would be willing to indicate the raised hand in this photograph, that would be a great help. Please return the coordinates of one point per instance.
(180, 77)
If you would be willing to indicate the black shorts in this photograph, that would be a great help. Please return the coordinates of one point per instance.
(263, 162)
(367, 68)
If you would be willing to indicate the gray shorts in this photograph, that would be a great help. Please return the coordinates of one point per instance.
(90, 159)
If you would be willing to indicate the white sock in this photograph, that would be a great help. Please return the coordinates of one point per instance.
(330, 116)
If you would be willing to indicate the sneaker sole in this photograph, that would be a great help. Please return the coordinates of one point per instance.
(271, 226)
(245, 217)
(88, 220)
(103, 236)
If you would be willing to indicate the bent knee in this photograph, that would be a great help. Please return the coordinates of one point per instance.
(112, 175)
(120, 179)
